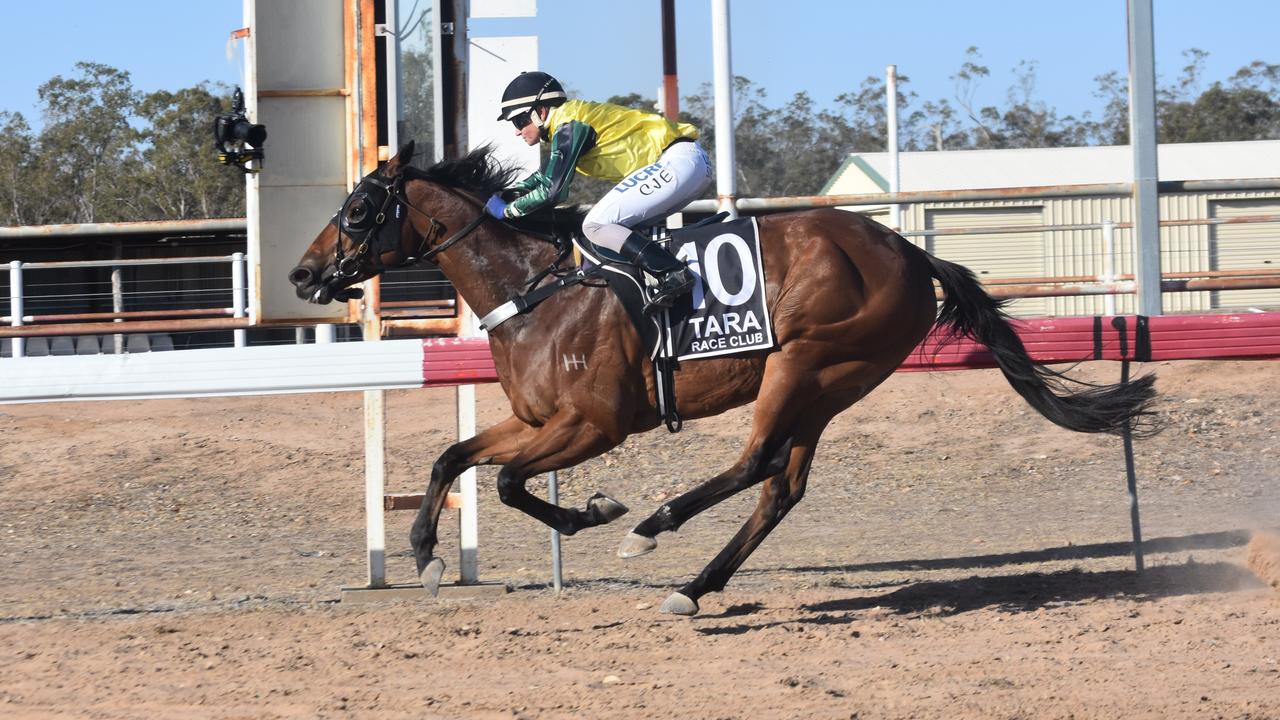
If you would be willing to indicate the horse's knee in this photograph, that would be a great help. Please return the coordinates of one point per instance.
(510, 485)
(447, 464)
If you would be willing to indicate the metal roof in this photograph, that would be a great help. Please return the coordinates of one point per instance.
(971, 169)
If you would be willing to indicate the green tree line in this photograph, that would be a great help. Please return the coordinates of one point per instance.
(108, 153)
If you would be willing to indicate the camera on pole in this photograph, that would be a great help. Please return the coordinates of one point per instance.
(238, 141)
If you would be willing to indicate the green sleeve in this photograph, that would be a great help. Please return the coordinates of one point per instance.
(551, 186)
(530, 182)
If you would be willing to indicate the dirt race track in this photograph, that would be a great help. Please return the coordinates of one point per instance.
(955, 557)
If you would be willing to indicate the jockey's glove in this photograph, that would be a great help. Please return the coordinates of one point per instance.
(496, 207)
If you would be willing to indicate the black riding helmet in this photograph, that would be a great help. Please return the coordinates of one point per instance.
(529, 89)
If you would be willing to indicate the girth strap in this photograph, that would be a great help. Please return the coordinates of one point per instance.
(524, 303)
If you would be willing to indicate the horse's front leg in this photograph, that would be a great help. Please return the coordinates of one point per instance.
(497, 444)
(566, 440)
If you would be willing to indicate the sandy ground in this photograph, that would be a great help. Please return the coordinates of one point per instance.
(955, 557)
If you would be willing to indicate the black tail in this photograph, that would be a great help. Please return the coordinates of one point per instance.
(970, 312)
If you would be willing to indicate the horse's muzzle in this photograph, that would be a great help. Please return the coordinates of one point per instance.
(320, 290)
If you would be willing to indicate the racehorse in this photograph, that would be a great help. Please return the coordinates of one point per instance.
(849, 298)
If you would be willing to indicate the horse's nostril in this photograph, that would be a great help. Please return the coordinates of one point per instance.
(299, 276)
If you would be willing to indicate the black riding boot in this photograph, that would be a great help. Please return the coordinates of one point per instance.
(674, 277)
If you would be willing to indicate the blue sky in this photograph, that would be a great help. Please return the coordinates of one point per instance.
(607, 47)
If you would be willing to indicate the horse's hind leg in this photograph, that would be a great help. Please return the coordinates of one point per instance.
(793, 392)
(778, 495)
(758, 464)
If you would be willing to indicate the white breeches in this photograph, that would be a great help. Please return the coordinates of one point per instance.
(649, 194)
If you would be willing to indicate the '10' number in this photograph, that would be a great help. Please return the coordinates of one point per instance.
(710, 277)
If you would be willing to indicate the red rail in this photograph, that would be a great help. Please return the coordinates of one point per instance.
(1048, 340)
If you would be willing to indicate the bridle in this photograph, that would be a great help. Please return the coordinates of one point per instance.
(372, 235)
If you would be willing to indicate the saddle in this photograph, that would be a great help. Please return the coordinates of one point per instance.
(724, 314)
(633, 287)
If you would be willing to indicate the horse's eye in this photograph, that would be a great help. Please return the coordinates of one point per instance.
(356, 213)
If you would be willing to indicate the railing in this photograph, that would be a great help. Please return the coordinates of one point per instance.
(433, 316)
(121, 324)
(1110, 283)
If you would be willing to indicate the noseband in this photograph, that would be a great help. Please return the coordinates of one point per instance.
(372, 234)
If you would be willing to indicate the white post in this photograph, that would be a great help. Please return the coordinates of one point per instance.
(553, 496)
(375, 448)
(324, 333)
(468, 515)
(891, 100)
(117, 303)
(1108, 264)
(16, 310)
(726, 172)
(237, 297)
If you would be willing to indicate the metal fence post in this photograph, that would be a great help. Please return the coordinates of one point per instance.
(117, 305)
(16, 310)
(553, 495)
(238, 297)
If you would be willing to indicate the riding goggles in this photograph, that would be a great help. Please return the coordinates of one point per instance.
(523, 119)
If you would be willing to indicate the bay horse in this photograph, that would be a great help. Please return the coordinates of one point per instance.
(849, 298)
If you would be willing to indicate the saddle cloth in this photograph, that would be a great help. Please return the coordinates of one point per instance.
(725, 314)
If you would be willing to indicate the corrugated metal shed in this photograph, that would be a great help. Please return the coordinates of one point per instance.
(1189, 248)
(970, 169)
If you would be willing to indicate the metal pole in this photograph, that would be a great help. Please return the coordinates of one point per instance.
(450, 31)
(891, 102)
(238, 297)
(117, 305)
(553, 496)
(1142, 136)
(437, 86)
(1131, 478)
(16, 310)
(726, 171)
(395, 96)
(670, 83)
(459, 72)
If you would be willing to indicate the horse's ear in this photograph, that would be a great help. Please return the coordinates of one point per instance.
(397, 164)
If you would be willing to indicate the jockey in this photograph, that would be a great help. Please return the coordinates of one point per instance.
(657, 165)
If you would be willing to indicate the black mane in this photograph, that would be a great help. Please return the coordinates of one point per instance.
(477, 172)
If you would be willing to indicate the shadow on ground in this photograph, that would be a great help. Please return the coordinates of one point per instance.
(1151, 546)
(1018, 592)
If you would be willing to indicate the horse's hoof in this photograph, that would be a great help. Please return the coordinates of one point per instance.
(605, 509)
(678, 604)
(635, 545)
(430, 576)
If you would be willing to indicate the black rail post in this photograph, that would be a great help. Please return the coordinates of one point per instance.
(1127, 435)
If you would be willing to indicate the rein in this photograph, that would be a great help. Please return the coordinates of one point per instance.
(352, 221)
